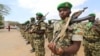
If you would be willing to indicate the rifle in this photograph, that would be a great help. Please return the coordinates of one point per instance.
(81, 19)
(75, 15)
(44, 17)
(28, 27)
(78, 13)
(61, 33)
(39, 21)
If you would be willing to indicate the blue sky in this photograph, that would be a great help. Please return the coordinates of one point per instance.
(23, 10)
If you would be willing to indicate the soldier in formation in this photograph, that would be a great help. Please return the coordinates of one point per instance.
(92, 37)
(49, 31)
(31, 35)
(69, 43)
(39, 31)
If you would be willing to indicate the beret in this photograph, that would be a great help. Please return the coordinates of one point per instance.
(39, 14)
(92, 14)
(64, 5)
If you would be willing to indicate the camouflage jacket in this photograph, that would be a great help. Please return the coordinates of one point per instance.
(42, 26)
(90, 34)
(70, 36)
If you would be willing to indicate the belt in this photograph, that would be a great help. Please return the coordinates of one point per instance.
(39, 37)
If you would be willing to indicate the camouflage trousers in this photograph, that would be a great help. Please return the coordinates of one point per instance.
(39, 47)
(50, 36)
(22, 33)
(31, 40)
(27, 36)
(92, 49)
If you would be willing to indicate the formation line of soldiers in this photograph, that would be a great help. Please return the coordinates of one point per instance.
(68, 43)
(35, 33)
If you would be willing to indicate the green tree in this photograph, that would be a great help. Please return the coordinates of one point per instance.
(1, 20)
(13, 23)
(4, 10)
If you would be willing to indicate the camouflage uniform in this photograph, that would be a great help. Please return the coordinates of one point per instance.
(70, 36)
(39, 40)
(32, 38)
(91, 41)
(49, 32)
(22, 30)
(32, 41)
(27, 35)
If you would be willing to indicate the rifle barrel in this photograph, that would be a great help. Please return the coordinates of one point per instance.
(81, 19)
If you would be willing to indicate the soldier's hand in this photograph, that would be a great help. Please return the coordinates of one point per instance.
(59, 51)
(30, 31)
(55, 50)
(52, 47)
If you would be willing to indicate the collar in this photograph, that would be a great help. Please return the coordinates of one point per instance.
(65, 20)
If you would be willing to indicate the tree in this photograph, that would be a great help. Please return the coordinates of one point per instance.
(13, 23)
(1, 20)
(4, 10)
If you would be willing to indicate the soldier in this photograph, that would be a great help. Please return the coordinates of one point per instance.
(31, 37)
(49, 31)
(39, 32)
(26, 32)
(22, 28)
(92, 38)
(70, 43)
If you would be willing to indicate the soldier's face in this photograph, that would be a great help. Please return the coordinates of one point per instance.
(92, 19)
(64, 12)
(38, 17)
(49, 22)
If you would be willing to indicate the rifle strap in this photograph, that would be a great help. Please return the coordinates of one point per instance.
(63, 30)
(61, 34)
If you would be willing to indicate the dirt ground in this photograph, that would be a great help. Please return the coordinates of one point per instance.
(13, 44)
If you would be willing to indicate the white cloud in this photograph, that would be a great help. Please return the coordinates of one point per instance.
(45, 6)
(47, 3)
(98, 15)
(97, 12)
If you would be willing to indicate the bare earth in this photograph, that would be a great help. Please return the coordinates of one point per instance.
(13, 44)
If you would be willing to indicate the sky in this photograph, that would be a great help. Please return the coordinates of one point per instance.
(23, 10)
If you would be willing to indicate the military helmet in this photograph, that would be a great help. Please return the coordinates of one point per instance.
(64, 5)
(39, 14)
(92, 14)
(32, 19)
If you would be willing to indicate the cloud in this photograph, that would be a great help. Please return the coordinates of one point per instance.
(98, 15)
(97, 12)
(47, 3)
(45, 6)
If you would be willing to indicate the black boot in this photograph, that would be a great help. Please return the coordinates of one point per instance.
(28, 42)
(33, 50)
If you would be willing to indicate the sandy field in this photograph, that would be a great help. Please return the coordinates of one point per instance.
(13, 44)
